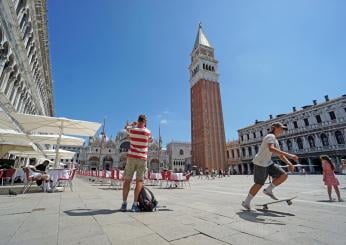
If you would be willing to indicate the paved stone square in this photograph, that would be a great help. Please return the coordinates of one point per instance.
(208, 213)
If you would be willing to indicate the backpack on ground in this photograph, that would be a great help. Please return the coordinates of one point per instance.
(146, 200)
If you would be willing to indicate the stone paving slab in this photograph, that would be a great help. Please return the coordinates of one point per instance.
(207, 213)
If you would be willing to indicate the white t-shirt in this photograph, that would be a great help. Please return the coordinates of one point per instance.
(264, 156)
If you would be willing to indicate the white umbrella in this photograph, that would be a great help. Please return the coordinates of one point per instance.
(52, 140)
(16, 138)
(53, 125)
(6, 122)
(46, 153)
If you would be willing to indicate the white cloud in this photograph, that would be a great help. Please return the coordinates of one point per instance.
(164, 121)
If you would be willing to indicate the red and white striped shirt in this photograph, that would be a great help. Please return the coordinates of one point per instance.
(139, 140)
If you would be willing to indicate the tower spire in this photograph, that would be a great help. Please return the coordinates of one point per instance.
(201, 38)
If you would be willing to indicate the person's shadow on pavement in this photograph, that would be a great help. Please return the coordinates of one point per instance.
(90, 212)
(263, 216)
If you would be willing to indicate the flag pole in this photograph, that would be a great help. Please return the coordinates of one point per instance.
(101, 141)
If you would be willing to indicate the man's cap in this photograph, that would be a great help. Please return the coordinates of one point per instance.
(278, 125)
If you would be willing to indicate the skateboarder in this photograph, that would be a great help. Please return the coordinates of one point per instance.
(264, 166)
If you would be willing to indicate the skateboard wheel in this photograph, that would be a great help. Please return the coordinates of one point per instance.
(289, 202)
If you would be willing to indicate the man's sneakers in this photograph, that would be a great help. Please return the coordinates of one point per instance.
(270, 194)
(123, 207)
(246, 206)
(135, 208)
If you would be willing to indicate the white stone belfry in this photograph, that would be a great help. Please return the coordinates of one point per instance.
(203, 64)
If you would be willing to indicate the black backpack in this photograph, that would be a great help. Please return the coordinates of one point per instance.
(146, 200)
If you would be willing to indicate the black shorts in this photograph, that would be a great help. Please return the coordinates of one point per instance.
(261, 173)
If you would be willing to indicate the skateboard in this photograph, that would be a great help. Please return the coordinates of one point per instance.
(287, 200)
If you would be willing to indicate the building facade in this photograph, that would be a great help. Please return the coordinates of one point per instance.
(179, 154)
(76, 159)
(233, 156)
(207, 127)
(25, 72)
(313, 130)
(104, 153)
(98, 153)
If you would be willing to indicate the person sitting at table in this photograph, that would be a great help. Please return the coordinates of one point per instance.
(38, 172)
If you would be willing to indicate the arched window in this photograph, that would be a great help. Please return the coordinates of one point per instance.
(21, 4)
(243, 151)
(256, 148)
(311, 140)
(181, 152)
(339, 138)
(203, 66)
(227, 153)
(232, 153)
(289, 145)
(300, 143)
(250, 150)
(324, 139)
(212, 68)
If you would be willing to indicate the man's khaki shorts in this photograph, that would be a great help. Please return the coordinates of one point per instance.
(135, 165)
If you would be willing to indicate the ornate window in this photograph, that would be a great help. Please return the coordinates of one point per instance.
(339, 138)
(289, 145)
(318, 119)
(324, 139)
(181, 152)
(300, 143)
(332, 115)
(250, 150)
(311, 140)
(306, 121)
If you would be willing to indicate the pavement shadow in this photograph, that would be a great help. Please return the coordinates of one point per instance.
(326, 201)
(110, 189)
(263, 216)
(90, 212)
(274, 213)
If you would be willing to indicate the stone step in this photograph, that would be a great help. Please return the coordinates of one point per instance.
(18, 189)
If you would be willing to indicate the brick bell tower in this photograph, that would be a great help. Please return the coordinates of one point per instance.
(207, 128)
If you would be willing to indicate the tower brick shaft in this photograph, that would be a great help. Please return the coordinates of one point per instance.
(207, 127)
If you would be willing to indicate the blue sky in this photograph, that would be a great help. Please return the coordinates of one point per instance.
(117, 59)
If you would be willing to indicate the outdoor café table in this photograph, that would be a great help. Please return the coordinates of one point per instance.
(57, 173)
(155, 176)
(177, 178)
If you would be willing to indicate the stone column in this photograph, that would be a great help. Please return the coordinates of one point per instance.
(311, 168)
(338, 165)
(14, 94)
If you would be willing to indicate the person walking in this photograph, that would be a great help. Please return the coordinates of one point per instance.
(264, 166)
(329, 177)
(137, 156)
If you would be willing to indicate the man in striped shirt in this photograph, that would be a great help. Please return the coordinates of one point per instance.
(137, 155)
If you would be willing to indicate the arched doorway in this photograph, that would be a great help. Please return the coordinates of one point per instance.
(93, 162)
(107, 163)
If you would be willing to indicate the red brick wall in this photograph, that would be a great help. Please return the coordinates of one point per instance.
(207, 127)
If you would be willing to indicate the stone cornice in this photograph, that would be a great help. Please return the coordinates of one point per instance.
(296, 113)
(40, 22)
